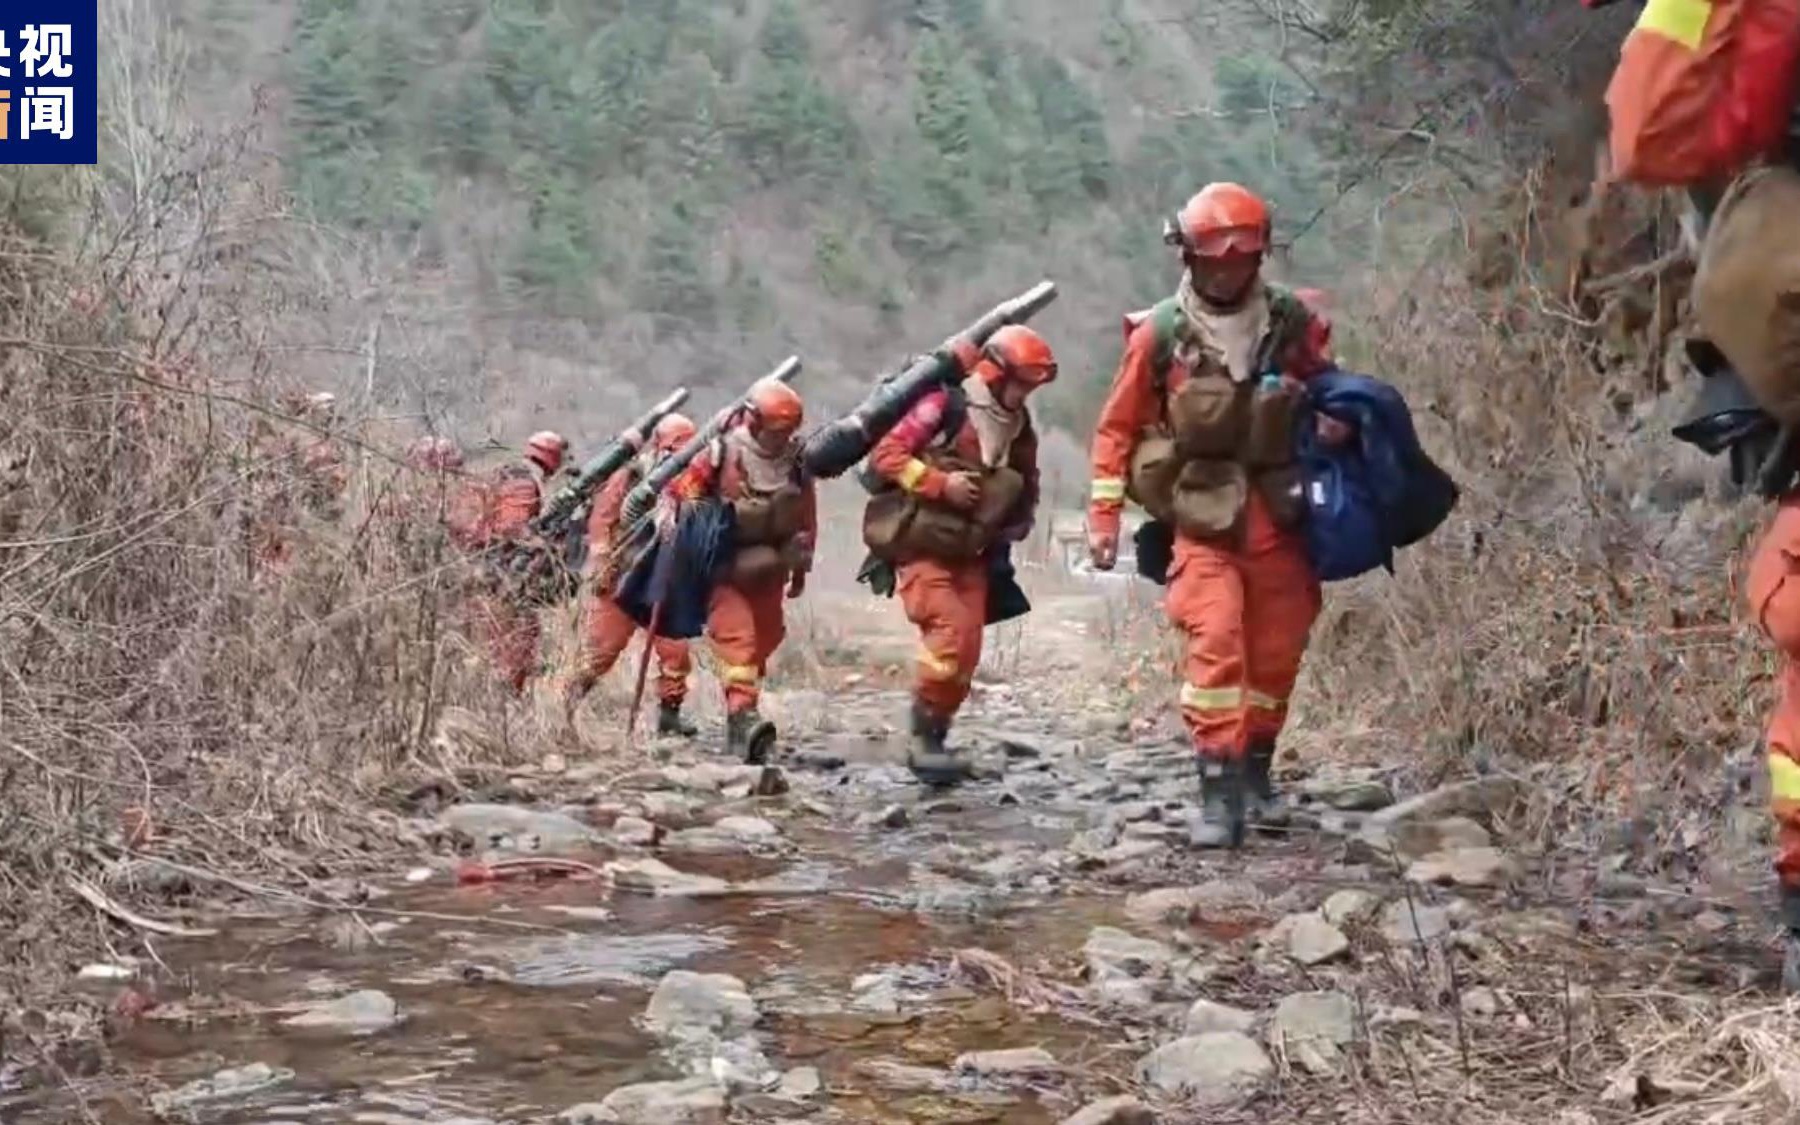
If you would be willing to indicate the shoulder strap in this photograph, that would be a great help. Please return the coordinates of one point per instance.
(956, 411)
(1165, 321)
(1287, 323)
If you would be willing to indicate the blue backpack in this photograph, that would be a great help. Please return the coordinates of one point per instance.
(1344, 533)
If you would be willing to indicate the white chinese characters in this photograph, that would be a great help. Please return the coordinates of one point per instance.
(45, 49)
(47, 109)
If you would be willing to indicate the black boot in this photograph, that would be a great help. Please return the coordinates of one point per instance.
(931, 761)
(1220, 822)
(749, 736)
(669, 721)
(1264, 806)
(1790, 943)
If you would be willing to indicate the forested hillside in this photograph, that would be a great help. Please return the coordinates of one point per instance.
(667, 190)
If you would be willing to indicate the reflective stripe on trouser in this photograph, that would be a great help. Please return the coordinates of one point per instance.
(948, 604)
(606, 633)
(745, 627)
(510, 632)
(1246, 615)
(1107, 488)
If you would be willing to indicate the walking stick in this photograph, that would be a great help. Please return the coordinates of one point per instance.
(659, 590)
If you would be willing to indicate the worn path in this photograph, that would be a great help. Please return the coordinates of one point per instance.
(823, 941)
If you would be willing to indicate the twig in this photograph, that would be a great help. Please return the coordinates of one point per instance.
(107, 906)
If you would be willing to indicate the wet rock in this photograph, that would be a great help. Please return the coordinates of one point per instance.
(1407, 922)
(1163, 906)
(700, 1005)
(1114, 1111)
(773, 1106)
(360, 1013)
(656, 878)
(876, 992)
(1206, 1017)
(801, 1083)
(226, 1085)
(708, 841)
(510, 828)
(890, 1074)
(1124, 994)
(696, 1101)
(1481, 797)
(747, 828)
(1350, 906)
(635, 832)
(717, 777)
(948, 897)
(1309, 939)
(673, 809)
(1348, 794)
(1215, 1069)
(1465, 867)
(1012, 1063)
(1412, 840)
(822, 760)
(1312, 1028)
(894, 816)
(1115, 953)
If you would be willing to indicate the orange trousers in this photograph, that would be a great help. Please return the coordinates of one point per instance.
(1247, 613)
(948, 603)
(510, 632)
(605, 634)
(1773, 588)
(745, 627)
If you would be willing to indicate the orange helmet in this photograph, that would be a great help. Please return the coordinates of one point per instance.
(546, 448)
(1022, 354)
(673, 432)
(777, 405)
(1221, 219)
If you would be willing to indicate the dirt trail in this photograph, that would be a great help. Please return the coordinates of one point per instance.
(877, 944)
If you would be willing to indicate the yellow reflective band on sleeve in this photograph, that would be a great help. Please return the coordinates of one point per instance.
(1784, 778)
(913, 473)
(937, 667)
(1108, 488)
(1211, 699)
(1684, 21)
(738, 673)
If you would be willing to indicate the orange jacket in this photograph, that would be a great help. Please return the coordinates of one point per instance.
(497, 508)
(1133, 405)
(896, 457)
(704, 476)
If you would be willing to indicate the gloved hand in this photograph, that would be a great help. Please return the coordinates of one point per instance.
(1103, 549)
(796, 585)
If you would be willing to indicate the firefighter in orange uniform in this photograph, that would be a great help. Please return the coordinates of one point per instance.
(755, 466)
(1197, 429)
(955, 445)
(491, 520)
(608, 629)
